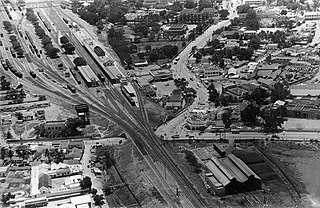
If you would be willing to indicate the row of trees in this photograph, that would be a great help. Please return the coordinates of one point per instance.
(166, 51)
(15, 43)
(46, 41)
(66, 45)
(189, 94)
(192, 160)
(4, 84)
(120, 44)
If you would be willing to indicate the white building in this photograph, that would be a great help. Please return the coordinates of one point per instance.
(256, 2)
(312, 15)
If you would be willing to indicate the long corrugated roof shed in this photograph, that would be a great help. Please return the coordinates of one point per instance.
(223, 168)
(87, 73)
(234, 169)
(218, 174)
(243, 167)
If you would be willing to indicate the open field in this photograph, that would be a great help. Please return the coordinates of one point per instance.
(301, 163)
(134, 170)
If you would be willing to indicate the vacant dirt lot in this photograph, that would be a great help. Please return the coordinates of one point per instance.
(301, 162)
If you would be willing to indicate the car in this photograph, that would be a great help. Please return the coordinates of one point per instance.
(191, 78)
(40, 70)
(177, 59)
(6, 48)
(175, 62)
(1, 35)
(166, 84)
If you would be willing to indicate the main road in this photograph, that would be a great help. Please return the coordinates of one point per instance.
(180, 70)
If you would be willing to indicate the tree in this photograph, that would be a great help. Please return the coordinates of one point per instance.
(283, 12)
(94, 191)
(259, 95)
(107, 189)
(213, 93)
(98, 200)
(86, 183)
(141, 29)
(243, 8)
(6, 197)
(176, 6)
(224, 13)
(64, 40)
(79, 61)
(189, 4)
(69, 48)
(252, 24)
(183, 44)
(271, 120)
(46, 40)
(279, 92)
(254, 43)
(226, 118)
(100, 26)
(147, 48)
(9, 135)
(250, 113)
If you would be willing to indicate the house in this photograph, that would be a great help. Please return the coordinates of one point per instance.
(4, 171)
(210, 71)
(312, 15)
(59, 172)
(81, 201)
(197, 122)
(231, 44)
(304, 107)
(176, 29)
(161, 74)
(174, 101)
(45, 183)
(256, 2)
(76, 144)
(53, 126)
(28, 116)
(6, 119)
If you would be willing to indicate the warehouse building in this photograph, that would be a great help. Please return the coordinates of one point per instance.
(88, 76)
(230, 175)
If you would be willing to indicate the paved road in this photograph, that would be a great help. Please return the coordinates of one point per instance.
(96, 182)
(180, 70)
(287, 135)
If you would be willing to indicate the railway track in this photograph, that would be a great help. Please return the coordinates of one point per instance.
(295, 195)
(134, 124)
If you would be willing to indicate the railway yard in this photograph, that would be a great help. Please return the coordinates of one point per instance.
(149, 172)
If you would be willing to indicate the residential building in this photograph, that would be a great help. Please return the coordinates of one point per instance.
(54, 126)
(174, 101)
(210, 71)
(161, 74)
(76, 144)
(230, 175)
(304, 107)
(193, 16)
(305, 89)
(6, 119)
(256, 2)
(312, 16)
(176, 29)
(4, 171)
(45, 183)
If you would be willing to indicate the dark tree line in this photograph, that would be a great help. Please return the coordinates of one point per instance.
(46, 41)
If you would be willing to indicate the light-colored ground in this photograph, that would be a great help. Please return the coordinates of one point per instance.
(309, 168)
(302, 124)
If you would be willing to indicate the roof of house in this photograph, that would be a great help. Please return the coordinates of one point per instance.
(188, 11)
(77, 200)
(44, 181)
(4, 168)
(209, 10)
